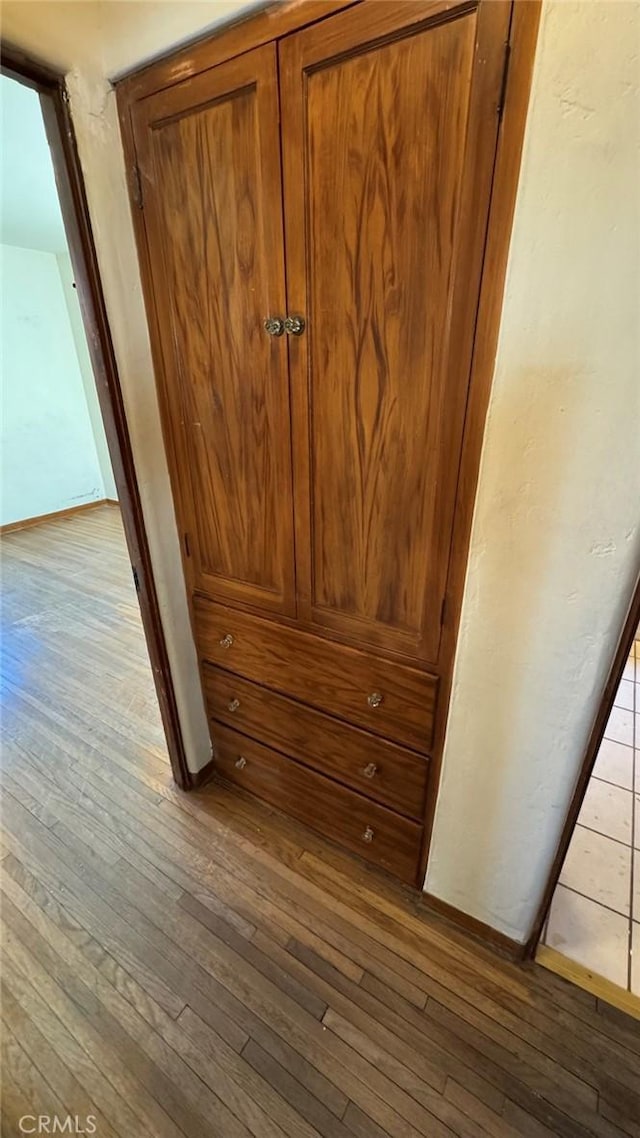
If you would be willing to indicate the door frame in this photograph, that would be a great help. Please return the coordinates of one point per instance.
(54, 101)
(603, 711)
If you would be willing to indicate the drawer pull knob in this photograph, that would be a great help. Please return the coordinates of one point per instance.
(274, 325)
(241, 762)
(368, 835)
(375, 699)
(370, 771)
(294, 325)
(234, 704)
(226, 641)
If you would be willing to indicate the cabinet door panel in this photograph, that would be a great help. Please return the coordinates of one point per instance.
(389, 133)
(210, 167)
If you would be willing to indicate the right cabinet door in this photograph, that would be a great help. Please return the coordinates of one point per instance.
(389, 129)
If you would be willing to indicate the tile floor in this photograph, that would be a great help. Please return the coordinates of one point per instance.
(595, 914)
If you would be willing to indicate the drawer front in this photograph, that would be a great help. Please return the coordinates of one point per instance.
(377, 834)
(382, 696)
(372, 766)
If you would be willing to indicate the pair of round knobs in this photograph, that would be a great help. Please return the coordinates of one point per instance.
(292, 325)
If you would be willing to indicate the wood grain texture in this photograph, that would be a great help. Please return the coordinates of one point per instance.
(398, 778)
(475, 928)
(234, 37)
(313, 670)
(585, 978)
(379, 835)
(210, 166)
(169, 976)
(380, 432)
(383, 143)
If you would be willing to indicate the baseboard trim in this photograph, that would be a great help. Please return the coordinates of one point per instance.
(199, 778)
(471, 926)
(57, 515)
(592, 982)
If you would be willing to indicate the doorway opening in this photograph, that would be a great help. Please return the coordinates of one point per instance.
(81, 620)
(588, 925)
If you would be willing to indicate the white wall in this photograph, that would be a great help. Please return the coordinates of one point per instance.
(555, 543)
(556, 518)
(86, 371)
(30, 217)
(49, 458)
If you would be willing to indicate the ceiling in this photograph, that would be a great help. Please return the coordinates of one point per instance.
(109, 37)
(30, 212)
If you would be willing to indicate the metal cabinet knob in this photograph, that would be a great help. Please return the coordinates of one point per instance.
(226, 641)
(294, 325)
(274, 325)
(241, 762)
(370, 770)
(234, 704)
(368, 835)
(375, 699)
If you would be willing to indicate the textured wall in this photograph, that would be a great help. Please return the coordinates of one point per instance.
(555, 538)
(100, 147)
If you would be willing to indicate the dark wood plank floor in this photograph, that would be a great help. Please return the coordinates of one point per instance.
(197, 965)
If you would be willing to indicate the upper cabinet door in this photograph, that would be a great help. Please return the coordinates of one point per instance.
(209, 155)
(389, 129)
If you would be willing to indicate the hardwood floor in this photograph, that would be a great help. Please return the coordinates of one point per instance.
(196, 965)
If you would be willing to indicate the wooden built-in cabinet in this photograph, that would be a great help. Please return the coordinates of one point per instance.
(312, 216)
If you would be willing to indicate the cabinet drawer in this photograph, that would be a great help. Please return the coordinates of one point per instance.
(383, 696)
(381, 770)
(377, 834)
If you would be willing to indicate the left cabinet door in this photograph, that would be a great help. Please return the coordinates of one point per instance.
(209, 160)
